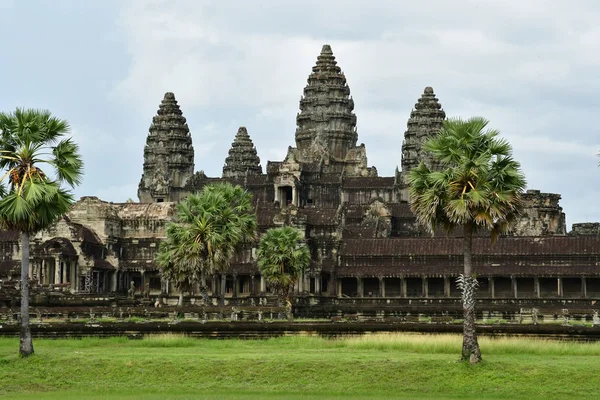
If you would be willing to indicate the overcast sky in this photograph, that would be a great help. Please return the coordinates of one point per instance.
(531, 67)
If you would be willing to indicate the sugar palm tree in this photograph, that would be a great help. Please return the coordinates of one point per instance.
(35, 198)
(210, 226)
(237, 218)
(479, 187)
(282, 256)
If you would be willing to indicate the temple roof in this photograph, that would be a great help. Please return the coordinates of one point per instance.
(425, 121)
(444, 246)
(242, 159)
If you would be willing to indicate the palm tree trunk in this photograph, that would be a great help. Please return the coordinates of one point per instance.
(203, 288)
(223, 287)
(470, 348)
(26, 342)
(288, 303)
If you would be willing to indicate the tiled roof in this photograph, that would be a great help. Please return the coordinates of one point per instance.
(453, 246)
(368, 182)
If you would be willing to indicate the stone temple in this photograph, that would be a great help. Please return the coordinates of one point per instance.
(364, 239)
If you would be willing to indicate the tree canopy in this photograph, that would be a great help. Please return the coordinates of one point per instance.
(38, 161)
(478, 186)
(208, 230)
(282, 256)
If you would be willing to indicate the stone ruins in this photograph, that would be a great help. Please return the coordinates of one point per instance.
(363, 237)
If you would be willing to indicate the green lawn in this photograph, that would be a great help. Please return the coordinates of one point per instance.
(379, 366)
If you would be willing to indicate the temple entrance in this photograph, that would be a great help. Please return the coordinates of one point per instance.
(393, 287)
(286, 195)
(349, 287)
(548, 287)
(414, 287)
(571, 287)
(503, 287)
(435, 287)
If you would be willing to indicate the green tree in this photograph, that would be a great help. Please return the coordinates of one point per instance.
(35, 198)
(282, 257)
(209, 229)
(479, 187)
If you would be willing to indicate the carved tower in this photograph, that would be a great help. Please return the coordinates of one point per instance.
(326, 125)
(425, 121)
(326, 133)
(242, 159)
(168, 155)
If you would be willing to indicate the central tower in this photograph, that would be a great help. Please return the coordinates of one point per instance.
(326, 124)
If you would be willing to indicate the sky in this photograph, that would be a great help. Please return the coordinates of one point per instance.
(532, 68)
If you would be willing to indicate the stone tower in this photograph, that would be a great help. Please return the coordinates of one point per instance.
(242, 159)
(326, 125)
(168, 155)
(425, 121)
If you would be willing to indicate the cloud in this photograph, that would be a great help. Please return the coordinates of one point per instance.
(529, 68)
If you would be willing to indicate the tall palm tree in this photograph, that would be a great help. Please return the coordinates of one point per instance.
(282, 256)
(209, 228)
(479, 187)
(237, 218)
(35, 198)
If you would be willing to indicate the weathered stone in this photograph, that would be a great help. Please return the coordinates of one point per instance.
(242, 159)
(168, 155)
(357, 224)
(424, 123)
(541, 215)
(586, 229)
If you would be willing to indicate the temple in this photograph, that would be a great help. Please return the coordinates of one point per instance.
(364, 239)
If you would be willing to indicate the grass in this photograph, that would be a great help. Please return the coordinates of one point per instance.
(376, 366)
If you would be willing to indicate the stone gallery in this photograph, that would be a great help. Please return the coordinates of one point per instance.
(363, 237)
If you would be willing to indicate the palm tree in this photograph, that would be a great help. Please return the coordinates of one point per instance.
(209, 228)
(238, 221)
(35, 198)
(282, 257)
(479, 187)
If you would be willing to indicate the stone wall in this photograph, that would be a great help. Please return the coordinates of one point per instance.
(542, 215)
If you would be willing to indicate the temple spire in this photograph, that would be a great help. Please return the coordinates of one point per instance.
(243, 158)
(425, 121)
(326, 125)
(168, 155)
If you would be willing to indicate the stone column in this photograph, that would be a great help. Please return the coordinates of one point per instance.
(317, 284)
(213, 285)
(513, 282)
(64, 268)
(333, 288)
(424, 287)
(492, 287)
(301, 283)
(447, 286)
(263, 287)
(559, 284)
(338, 283)
(294, 199)
(76, 279)
(536, 287)
(583, 287)
(381, 287)
(360, 286)
(404, 286)
(57, 270)
(113, 281)
(236, 289)
(252, 287)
